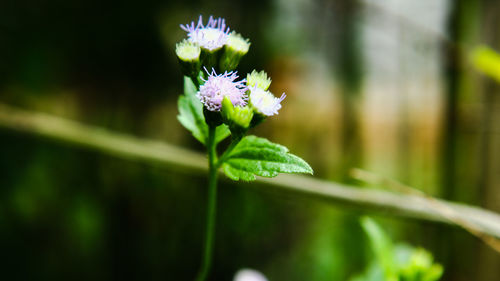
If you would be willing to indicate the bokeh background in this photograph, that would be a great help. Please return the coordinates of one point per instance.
(384, 85)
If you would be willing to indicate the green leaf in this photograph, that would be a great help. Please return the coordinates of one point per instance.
(221, 133)
(396, 262)
(190, 118)
(255, 156)
(236, 174)
(191, 115)
(189, 87)
(420, 267)
(258, 143)
(381, 245)
(373, 272)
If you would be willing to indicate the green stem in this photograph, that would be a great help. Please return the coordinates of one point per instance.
(211, 207)
(235, 140)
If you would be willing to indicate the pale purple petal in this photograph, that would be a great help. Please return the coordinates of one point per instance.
(211, 36)
(218, 86)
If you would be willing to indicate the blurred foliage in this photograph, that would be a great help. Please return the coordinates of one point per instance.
(398, 262)
(487, 61)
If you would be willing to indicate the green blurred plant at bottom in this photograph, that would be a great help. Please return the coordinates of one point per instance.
(399, 262)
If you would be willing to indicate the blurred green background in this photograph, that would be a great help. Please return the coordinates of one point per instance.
(382, 85)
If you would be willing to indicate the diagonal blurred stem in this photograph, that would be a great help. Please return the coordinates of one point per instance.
(206, 260)
(176, 158)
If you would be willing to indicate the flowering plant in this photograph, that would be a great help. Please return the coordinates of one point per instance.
(217, 104)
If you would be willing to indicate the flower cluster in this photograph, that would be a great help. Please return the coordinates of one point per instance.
(209, 56)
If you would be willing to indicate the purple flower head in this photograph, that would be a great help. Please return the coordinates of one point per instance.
(211, 36)
(265, 102)
(218, 86)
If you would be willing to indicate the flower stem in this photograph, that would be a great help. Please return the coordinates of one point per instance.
(206, 259)
(235, 140)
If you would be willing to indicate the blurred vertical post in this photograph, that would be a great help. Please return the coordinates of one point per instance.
(452, 67)
(349, 71)
(459, 154)
(489, 177)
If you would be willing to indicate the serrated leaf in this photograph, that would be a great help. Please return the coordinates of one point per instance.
(256, 142)
(236, 174)
(192, 118)
(255, 156)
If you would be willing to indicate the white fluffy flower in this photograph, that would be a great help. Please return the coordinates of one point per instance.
(265, 102)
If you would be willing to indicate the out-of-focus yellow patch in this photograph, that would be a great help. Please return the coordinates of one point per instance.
(487, 61)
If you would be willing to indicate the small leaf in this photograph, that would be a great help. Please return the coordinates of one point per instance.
(221, 133)
(189, 87)
(255, 156)
(192, 118)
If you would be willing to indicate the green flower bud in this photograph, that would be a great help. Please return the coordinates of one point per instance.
(236, 47)
(238, 118)
(259, 80)
(188, 54)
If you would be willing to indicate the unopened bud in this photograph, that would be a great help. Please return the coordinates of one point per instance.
(259, 80)
(238, 118)
(236, 47)
(188, 54)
